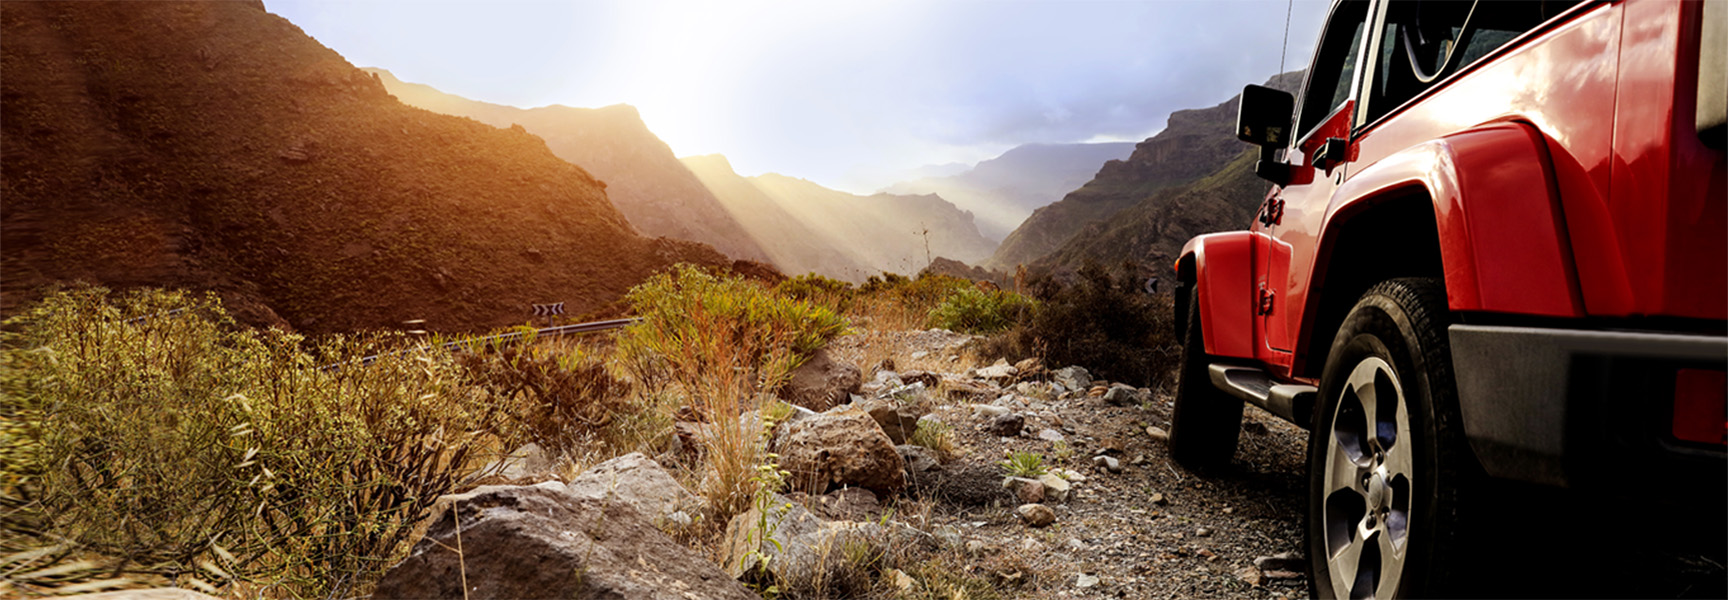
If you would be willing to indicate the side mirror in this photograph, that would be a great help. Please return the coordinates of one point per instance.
(1263, 119)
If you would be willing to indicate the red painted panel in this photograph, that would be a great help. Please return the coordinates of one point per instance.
(1517, 246)
(1223, 271)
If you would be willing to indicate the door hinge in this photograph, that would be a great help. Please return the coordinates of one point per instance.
(1273, 214)
(1266, 300)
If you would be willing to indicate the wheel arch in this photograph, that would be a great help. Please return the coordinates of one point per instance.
(1219, 266)
(1478, 209)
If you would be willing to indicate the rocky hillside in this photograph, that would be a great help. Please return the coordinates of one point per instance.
(1195, 144)
(658, 194)
(805, 227)
(1003, 191)
(212, 145)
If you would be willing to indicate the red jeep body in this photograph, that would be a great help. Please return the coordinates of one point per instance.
(1559, 185)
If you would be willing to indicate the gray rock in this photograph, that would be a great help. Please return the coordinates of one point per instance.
(1086, 581)
(542, 541)
(920, 354)
(845, 504)
(1122, 395)
(918, 459)
(1203, 532)
(988, 411)
(1072, 378)
(1000, 370)
(1074, 544)
(1250, 575)
(821, 383)
(526, 463)
(1158, 434)
(637, 481)
(798, 548)
(1051, 435)
(1158, 499)
(1107, 463)
(1036, 515)
(1008, 425)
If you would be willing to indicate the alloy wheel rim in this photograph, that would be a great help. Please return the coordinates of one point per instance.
(1369, 472)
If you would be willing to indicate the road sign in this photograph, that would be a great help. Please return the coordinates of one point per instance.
(542, 310)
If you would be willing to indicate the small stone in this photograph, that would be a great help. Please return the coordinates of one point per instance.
(1203, 532)
(1072, 475)
(1139, 459)
(1207, 554)
(1282, 561)
(987, 411)
(1275, 574)
(1051, 435)
(1107, 463)
(1036, 515)
(1229, 510)
(1072, 378)
(1029, 491)
(1086, 581)
(1007, 425)
(1055, 487)
(1032, 546)
(1121, 395)
(905, 583)
(1250, 575)
(919, 355)
(1158, 434)
(1111, 445)
(1158, 499)
(1076, 545)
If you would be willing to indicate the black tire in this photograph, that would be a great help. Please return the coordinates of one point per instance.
(1387, 425)
(1206, 422)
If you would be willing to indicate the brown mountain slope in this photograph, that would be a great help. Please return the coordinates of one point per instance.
(643, 178)
(1195, 144)
(213, 145)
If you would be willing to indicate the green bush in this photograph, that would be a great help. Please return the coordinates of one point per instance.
(1102, 321)
(1023, 464)
(972, 310)
(834, 294)
(698, 327)
(183, 449)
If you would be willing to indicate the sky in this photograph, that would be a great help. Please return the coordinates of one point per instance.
(850, 94)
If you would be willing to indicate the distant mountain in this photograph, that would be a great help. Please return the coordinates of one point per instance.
(643, 178)
(215, 146)
(1003, 191)
(791, 244)
(809, 228)
(1196, 143)
(1153, 229)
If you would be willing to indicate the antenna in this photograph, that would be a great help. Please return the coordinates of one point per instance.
(1285, 47)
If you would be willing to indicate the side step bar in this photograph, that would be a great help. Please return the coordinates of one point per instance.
(1290, 401)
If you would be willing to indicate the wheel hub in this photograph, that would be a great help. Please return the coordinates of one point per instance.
(1379, 489)
(1368, 474)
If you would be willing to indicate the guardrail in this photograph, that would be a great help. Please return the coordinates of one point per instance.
(561, 330)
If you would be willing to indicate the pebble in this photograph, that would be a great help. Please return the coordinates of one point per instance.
(1029, 491)
(1055, 487)
(905, 583)
(1005, 425)
(1086, 581)
(1158, 434)
(1076, 545)
(1282, 561)
(1276, 574)
(1158, 499)
(1051, 435)
(1032, 546)
(1036, 515)
(1203, 531)
(1250, 575)
(987, 411)
(1107, 463)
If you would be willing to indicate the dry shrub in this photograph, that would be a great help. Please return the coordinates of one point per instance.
(723, 344)
(893, 301)
(1102, 321)
(564, 399)
(182, 449)
(974, 310)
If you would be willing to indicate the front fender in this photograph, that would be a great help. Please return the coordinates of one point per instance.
(1224, 275)
(1503, 244)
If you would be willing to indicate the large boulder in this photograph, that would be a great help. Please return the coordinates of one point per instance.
(545, 542)
(842, 447)
(821, 383)
(638, 481)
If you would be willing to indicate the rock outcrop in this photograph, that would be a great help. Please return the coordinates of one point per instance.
(841, 447)
(544, 542)
(821, 383)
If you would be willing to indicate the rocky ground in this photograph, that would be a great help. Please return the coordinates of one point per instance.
(1151, 529)
(897, 485)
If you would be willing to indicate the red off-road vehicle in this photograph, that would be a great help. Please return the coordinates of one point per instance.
(1494, 249)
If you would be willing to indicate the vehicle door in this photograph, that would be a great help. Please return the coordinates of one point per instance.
(1290, 218)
